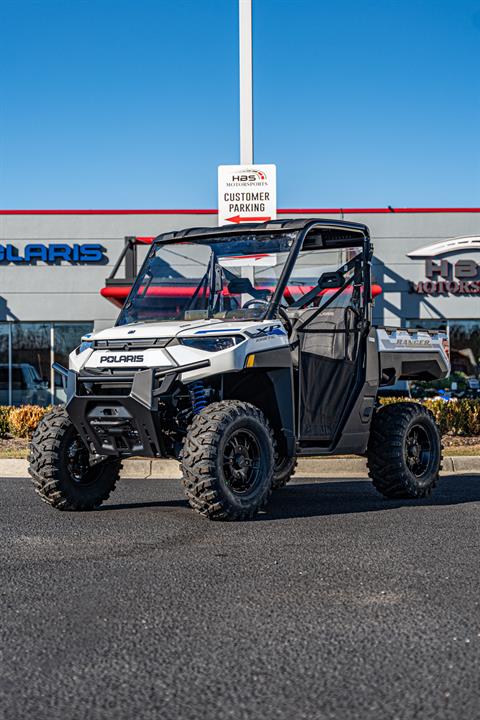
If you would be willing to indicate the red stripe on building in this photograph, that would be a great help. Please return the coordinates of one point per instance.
(282, 211)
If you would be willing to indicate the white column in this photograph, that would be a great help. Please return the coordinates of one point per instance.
(52, 360)
(246, 84)
(10, 393)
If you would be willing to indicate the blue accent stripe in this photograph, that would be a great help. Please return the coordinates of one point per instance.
(216, 330)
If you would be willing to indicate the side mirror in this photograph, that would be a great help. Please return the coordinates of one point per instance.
(240, 285)
(331, 280)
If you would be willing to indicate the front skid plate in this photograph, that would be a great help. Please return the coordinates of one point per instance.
(120, 425)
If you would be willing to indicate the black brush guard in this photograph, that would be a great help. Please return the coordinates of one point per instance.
(121, 417)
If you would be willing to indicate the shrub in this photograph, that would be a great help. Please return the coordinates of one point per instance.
(24, 419)
(455, 417)
(391, 400)
(4, 420)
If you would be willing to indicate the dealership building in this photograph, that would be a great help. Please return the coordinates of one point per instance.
(66, 273)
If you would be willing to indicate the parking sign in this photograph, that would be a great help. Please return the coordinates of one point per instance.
(246, 193)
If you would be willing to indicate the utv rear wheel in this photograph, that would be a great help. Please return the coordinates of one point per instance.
(404, 451)
(283, 471)
(227, 461)
(62, 469)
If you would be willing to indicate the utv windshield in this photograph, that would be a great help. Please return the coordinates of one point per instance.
(221, 278)
(232, 278)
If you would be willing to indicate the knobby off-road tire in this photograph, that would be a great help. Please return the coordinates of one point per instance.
(60, 466)
(227, 461)
(404, 453)
(283, 471)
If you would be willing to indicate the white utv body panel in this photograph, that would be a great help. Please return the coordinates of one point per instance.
(399, 340)
(252, 336)
(408, 353)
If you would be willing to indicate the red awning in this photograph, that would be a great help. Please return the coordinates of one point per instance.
(117, 294)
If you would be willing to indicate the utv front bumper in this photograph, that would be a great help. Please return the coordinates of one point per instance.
(117, 412)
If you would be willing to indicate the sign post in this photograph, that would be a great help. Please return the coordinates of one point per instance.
(246, 193)
(246, 84)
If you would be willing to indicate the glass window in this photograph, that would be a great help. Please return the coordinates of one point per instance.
(4, 363)
(465, 349)
(67, 338)
(30, 374)
(464, 340)
(31, 363)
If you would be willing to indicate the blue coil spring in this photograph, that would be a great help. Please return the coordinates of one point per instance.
(198, 396)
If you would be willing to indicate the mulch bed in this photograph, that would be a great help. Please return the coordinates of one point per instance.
(13, 447)
(460, 441)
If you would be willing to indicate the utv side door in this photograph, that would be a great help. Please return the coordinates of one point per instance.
(329, 343)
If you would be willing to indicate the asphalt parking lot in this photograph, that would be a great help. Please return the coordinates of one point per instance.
(334, 604)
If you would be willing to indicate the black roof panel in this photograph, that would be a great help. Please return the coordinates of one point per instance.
(355, 230)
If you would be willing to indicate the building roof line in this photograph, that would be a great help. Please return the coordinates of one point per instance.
(282, 211)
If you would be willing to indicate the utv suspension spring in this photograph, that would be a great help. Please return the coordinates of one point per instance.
(198, 396)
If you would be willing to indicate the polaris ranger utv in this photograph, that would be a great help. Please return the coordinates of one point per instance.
(237, 351)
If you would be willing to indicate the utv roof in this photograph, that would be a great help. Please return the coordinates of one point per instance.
(338, 231)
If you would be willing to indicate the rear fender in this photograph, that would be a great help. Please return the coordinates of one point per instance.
(407, 354)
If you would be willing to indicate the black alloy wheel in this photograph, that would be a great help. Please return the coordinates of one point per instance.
(404, 454)
(78, 462)
(418, 450)
(242, 461)
(61, 468)
(227, 461)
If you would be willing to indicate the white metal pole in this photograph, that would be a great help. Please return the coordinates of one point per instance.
(10, 392)
(52, 360)
(246, 84)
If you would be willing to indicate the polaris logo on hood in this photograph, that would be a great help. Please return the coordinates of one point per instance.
(121, 359)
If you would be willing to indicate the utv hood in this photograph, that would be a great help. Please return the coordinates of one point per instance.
(160, 329)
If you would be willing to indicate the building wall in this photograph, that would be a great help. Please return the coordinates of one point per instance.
(69, 293)
(394, 236)
(72, 292)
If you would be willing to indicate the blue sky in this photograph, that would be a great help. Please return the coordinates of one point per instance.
(134, 103)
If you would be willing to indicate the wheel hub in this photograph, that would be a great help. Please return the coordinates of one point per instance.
(418, 450)
(77, 461)
(241, 463)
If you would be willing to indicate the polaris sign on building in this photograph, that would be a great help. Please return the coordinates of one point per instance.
(89, 253)
(66, 273)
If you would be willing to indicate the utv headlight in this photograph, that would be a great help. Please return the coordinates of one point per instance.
(84, 345)
(212, 344)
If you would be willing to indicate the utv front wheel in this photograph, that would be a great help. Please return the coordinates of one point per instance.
(404, 451)
(227, 461)
(61, 467)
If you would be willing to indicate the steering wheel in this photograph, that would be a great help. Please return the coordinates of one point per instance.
(280, 310)
(254, 302)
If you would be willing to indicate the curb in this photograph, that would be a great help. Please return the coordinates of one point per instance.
(145, 468)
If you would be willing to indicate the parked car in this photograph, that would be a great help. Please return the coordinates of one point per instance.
(27, 386)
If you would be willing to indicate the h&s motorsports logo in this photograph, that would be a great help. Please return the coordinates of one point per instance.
(461, 277)
(249, 177)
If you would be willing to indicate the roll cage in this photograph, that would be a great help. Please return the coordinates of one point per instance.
(311, 234)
